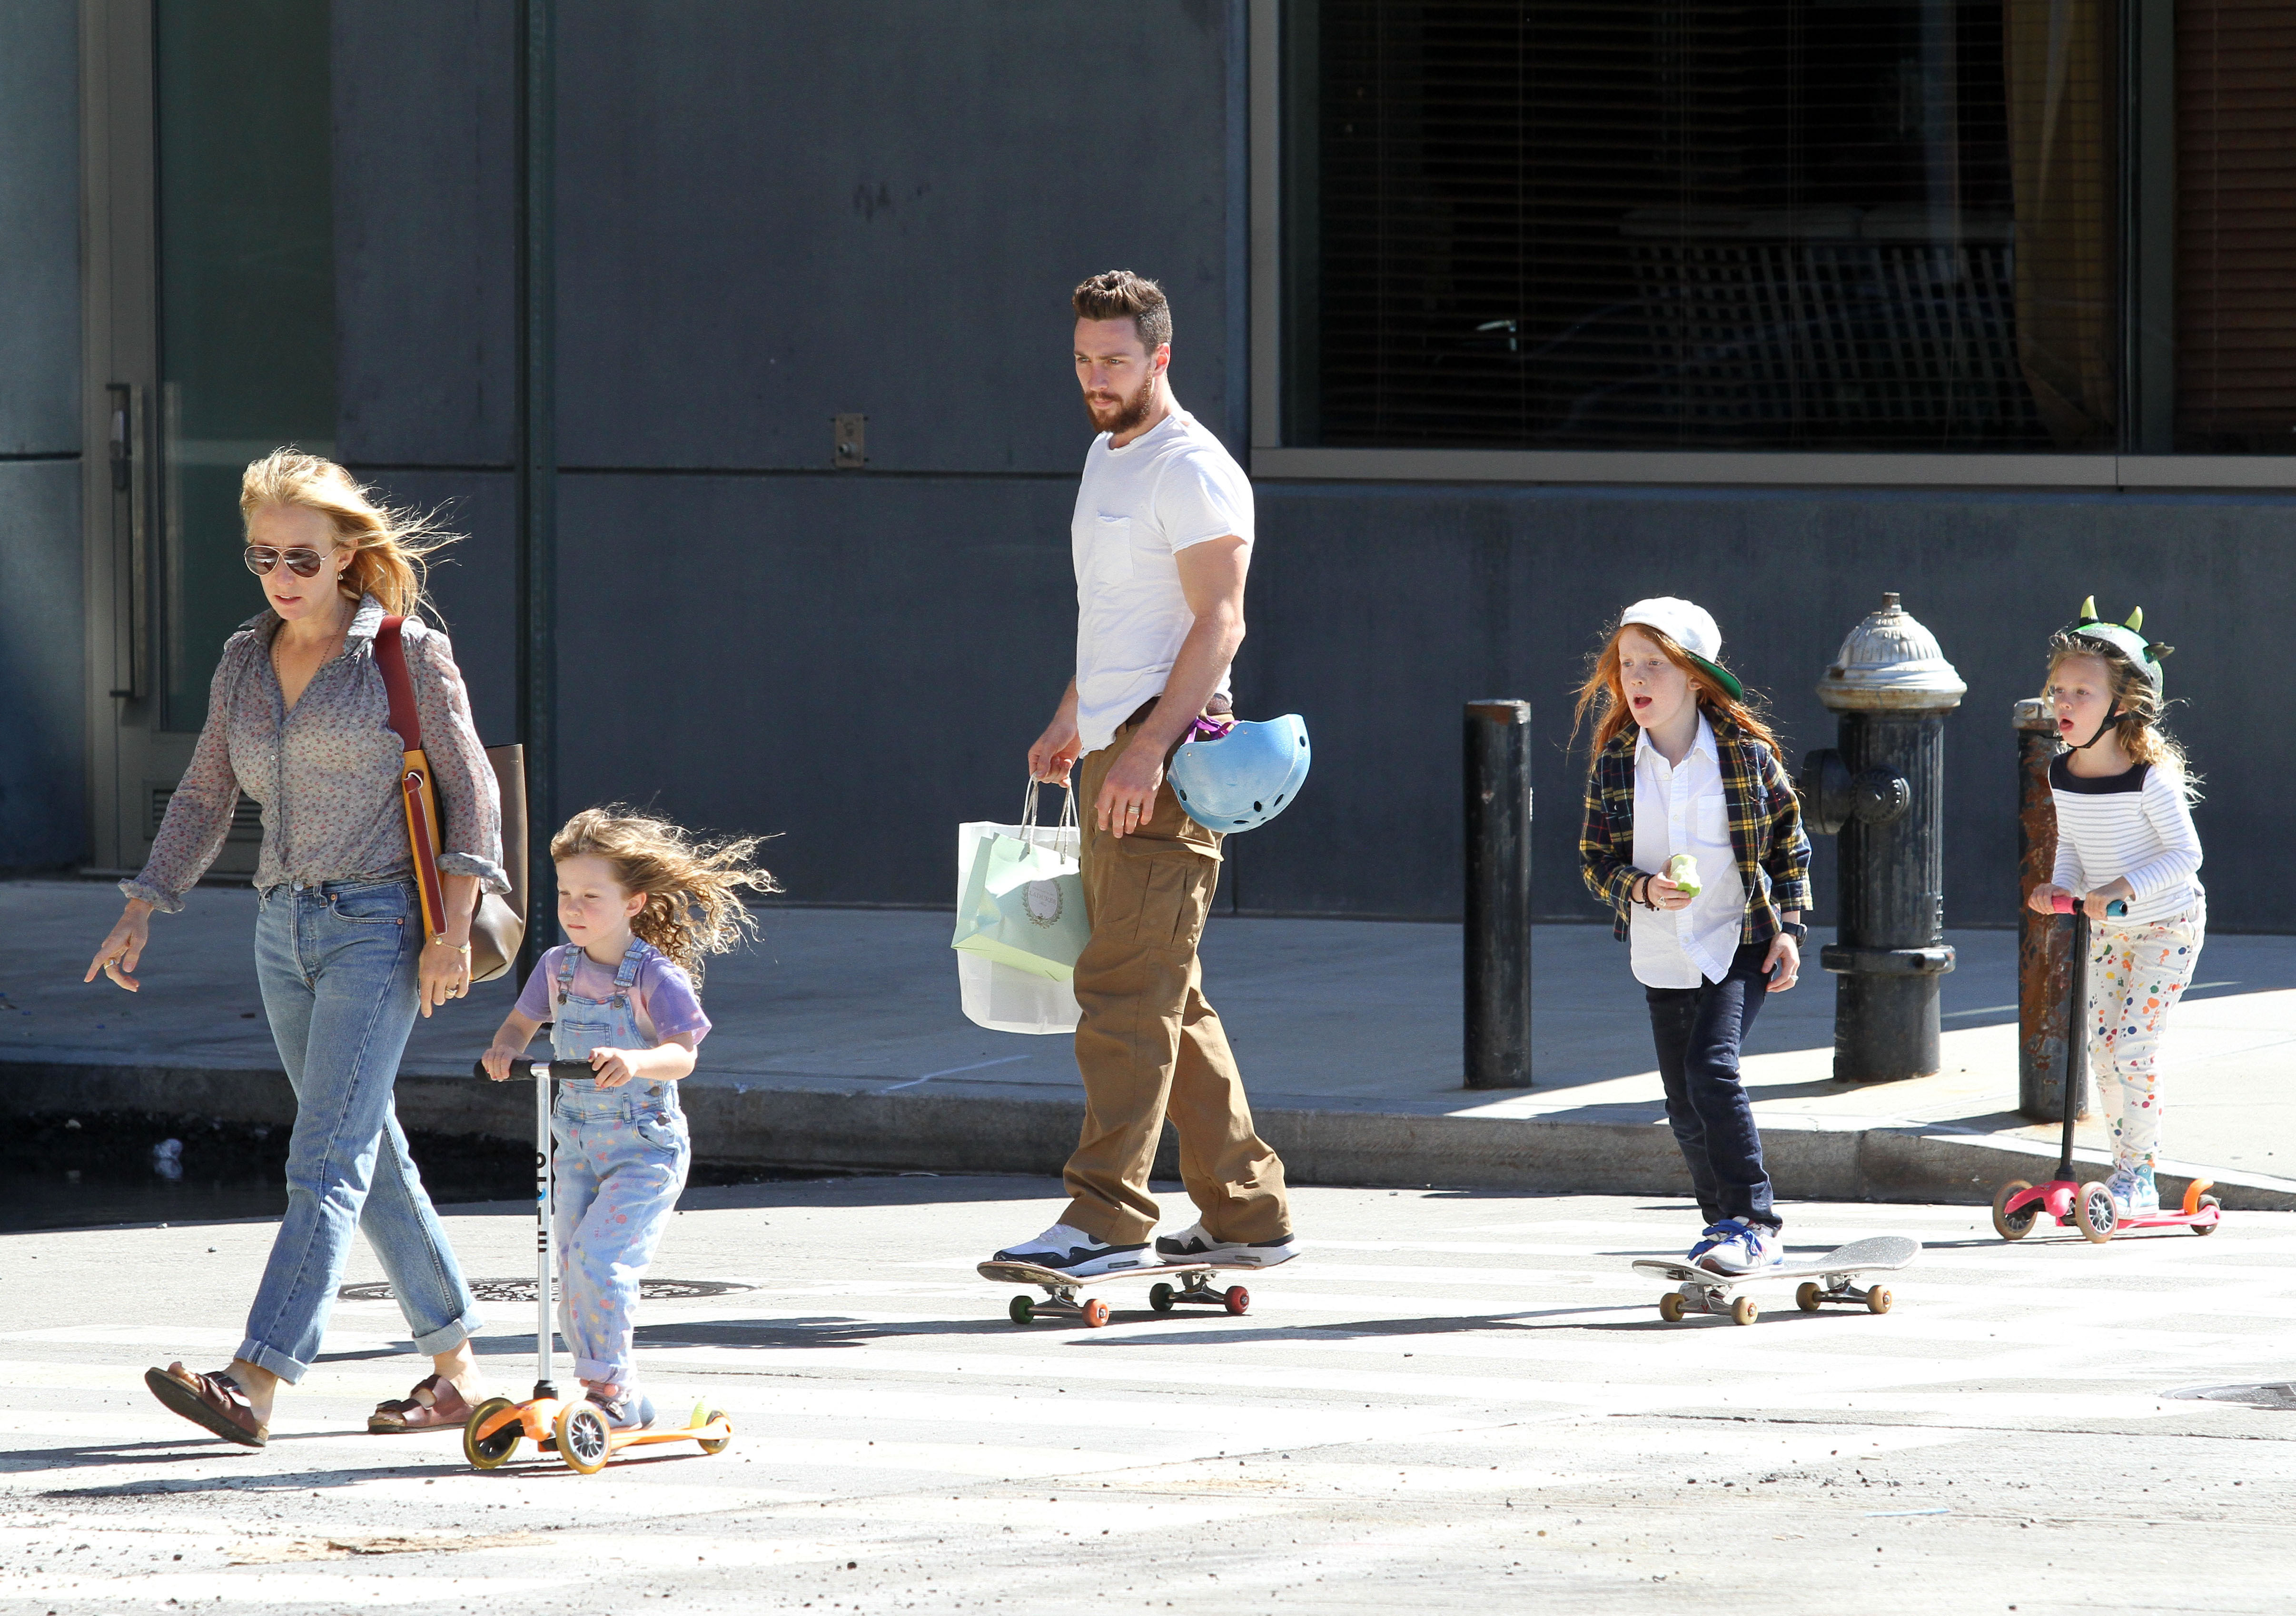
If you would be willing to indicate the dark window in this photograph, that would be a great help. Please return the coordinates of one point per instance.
(2236, 227)
(1797, 224)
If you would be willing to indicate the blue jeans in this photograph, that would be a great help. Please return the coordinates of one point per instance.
(337, 965)
(1697, 1032)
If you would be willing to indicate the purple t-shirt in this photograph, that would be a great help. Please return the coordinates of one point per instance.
(668, 1006)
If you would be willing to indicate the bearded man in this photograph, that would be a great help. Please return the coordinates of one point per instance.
(1161, 539)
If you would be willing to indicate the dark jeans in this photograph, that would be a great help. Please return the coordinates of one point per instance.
(1697, 1032)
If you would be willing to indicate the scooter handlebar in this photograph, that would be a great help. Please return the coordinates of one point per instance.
(2063, 903)
(558, 1069)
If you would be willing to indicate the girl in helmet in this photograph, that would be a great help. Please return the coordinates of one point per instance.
(1693, 837)
(2124, 833)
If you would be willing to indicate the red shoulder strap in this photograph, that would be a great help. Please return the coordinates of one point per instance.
(391, 656)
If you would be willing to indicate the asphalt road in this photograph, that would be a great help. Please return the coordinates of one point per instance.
(1454, 1401)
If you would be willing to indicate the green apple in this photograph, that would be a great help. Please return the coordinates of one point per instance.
(1682, 869)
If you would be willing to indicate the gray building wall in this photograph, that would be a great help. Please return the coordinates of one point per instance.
(43, 724)
(773, 214)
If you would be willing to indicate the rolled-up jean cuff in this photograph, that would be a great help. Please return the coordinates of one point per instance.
(448, 1336)
(599, 1369)
(253, 1351)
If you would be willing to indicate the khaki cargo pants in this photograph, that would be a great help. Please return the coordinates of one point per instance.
(1149, 1047)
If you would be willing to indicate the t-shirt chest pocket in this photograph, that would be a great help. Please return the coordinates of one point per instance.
(1112, 552)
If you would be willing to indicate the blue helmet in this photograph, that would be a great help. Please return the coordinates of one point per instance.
(1245, 777)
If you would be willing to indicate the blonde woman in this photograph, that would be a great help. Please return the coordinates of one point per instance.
(298, 720)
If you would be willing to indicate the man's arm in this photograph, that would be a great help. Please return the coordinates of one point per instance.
(1211, 577)
(1056, 751)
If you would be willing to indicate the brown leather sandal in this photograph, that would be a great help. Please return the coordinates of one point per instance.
(434, 1404)
(213, 1400)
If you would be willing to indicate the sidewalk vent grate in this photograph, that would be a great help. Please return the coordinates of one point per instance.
(522, 1290)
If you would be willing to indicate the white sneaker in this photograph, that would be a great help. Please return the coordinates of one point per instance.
(1071, 1251)
(2134, 1191)
(1192, 1244)
(1754, 1246)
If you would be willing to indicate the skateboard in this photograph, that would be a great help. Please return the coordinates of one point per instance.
(1060, 1289)
(1827, 1279)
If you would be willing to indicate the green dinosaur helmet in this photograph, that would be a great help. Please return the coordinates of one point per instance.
(2126, 638)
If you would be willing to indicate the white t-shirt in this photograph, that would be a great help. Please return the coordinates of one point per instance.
(1137, 508)
(1684, 810)
(2135, 824)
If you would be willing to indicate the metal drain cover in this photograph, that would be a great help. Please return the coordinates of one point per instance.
(522, 1290)
(2268, 1394)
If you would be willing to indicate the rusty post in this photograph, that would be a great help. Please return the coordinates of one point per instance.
(2044, 943)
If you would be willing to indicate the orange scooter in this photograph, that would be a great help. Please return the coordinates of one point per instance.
(2064, 1198)
(576, 1429)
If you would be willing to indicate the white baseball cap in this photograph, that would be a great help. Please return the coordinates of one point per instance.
(1690, 626)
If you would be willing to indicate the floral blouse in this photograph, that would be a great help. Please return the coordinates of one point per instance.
(327, 773)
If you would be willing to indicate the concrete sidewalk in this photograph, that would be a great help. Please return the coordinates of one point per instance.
(838, 1041)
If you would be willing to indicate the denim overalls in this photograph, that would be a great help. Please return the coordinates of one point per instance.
(622, 1154)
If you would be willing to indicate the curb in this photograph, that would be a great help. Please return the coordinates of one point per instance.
(754, 1124)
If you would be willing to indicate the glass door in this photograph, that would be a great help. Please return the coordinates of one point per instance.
(215, 334)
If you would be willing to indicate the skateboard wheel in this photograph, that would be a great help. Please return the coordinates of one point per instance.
(584, 1442)
(2013, 1225)
(2206, 1225)
(1237, 1299)
(1806, 1296)
(2095, 1212)
(1878, 1299)
(1743, 1311)
(495, 1447)
(1022, 1310)
(1160, 1297)
(1093, 1312)
(1669, 1307)
(703, 1415)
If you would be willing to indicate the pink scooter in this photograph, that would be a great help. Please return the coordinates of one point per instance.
(2089, 1206)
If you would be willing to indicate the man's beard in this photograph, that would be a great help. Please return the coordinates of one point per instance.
(1129, 412)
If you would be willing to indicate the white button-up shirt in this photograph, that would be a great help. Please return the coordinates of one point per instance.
(1683, 810)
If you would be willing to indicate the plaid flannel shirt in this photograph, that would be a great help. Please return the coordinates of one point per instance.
(1765, 830)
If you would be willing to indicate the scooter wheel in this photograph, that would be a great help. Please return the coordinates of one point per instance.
(1669, 1307)
(1743, 1311)
(703, 1415)
(1878, 1299)
(2208, 1203)
(1806, 1295)
(2017, 1225)
(2095, 1213)
(584, 1442)
(495, 1447)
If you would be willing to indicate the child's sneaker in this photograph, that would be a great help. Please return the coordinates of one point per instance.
(2134, 1191)
(1073, 1251)
(1714, 1235)
(1753, 1246)
(631, 1410)
(1192, 1244)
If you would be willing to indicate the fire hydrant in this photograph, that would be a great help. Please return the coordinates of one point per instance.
(1883, 792)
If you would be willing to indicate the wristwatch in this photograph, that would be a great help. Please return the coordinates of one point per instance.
(1793, 929)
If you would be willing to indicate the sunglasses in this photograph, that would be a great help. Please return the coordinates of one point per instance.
(302, 562)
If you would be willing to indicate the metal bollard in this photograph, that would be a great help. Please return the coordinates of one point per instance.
(1883, 792)
(2044, 943)
(1497, 758)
